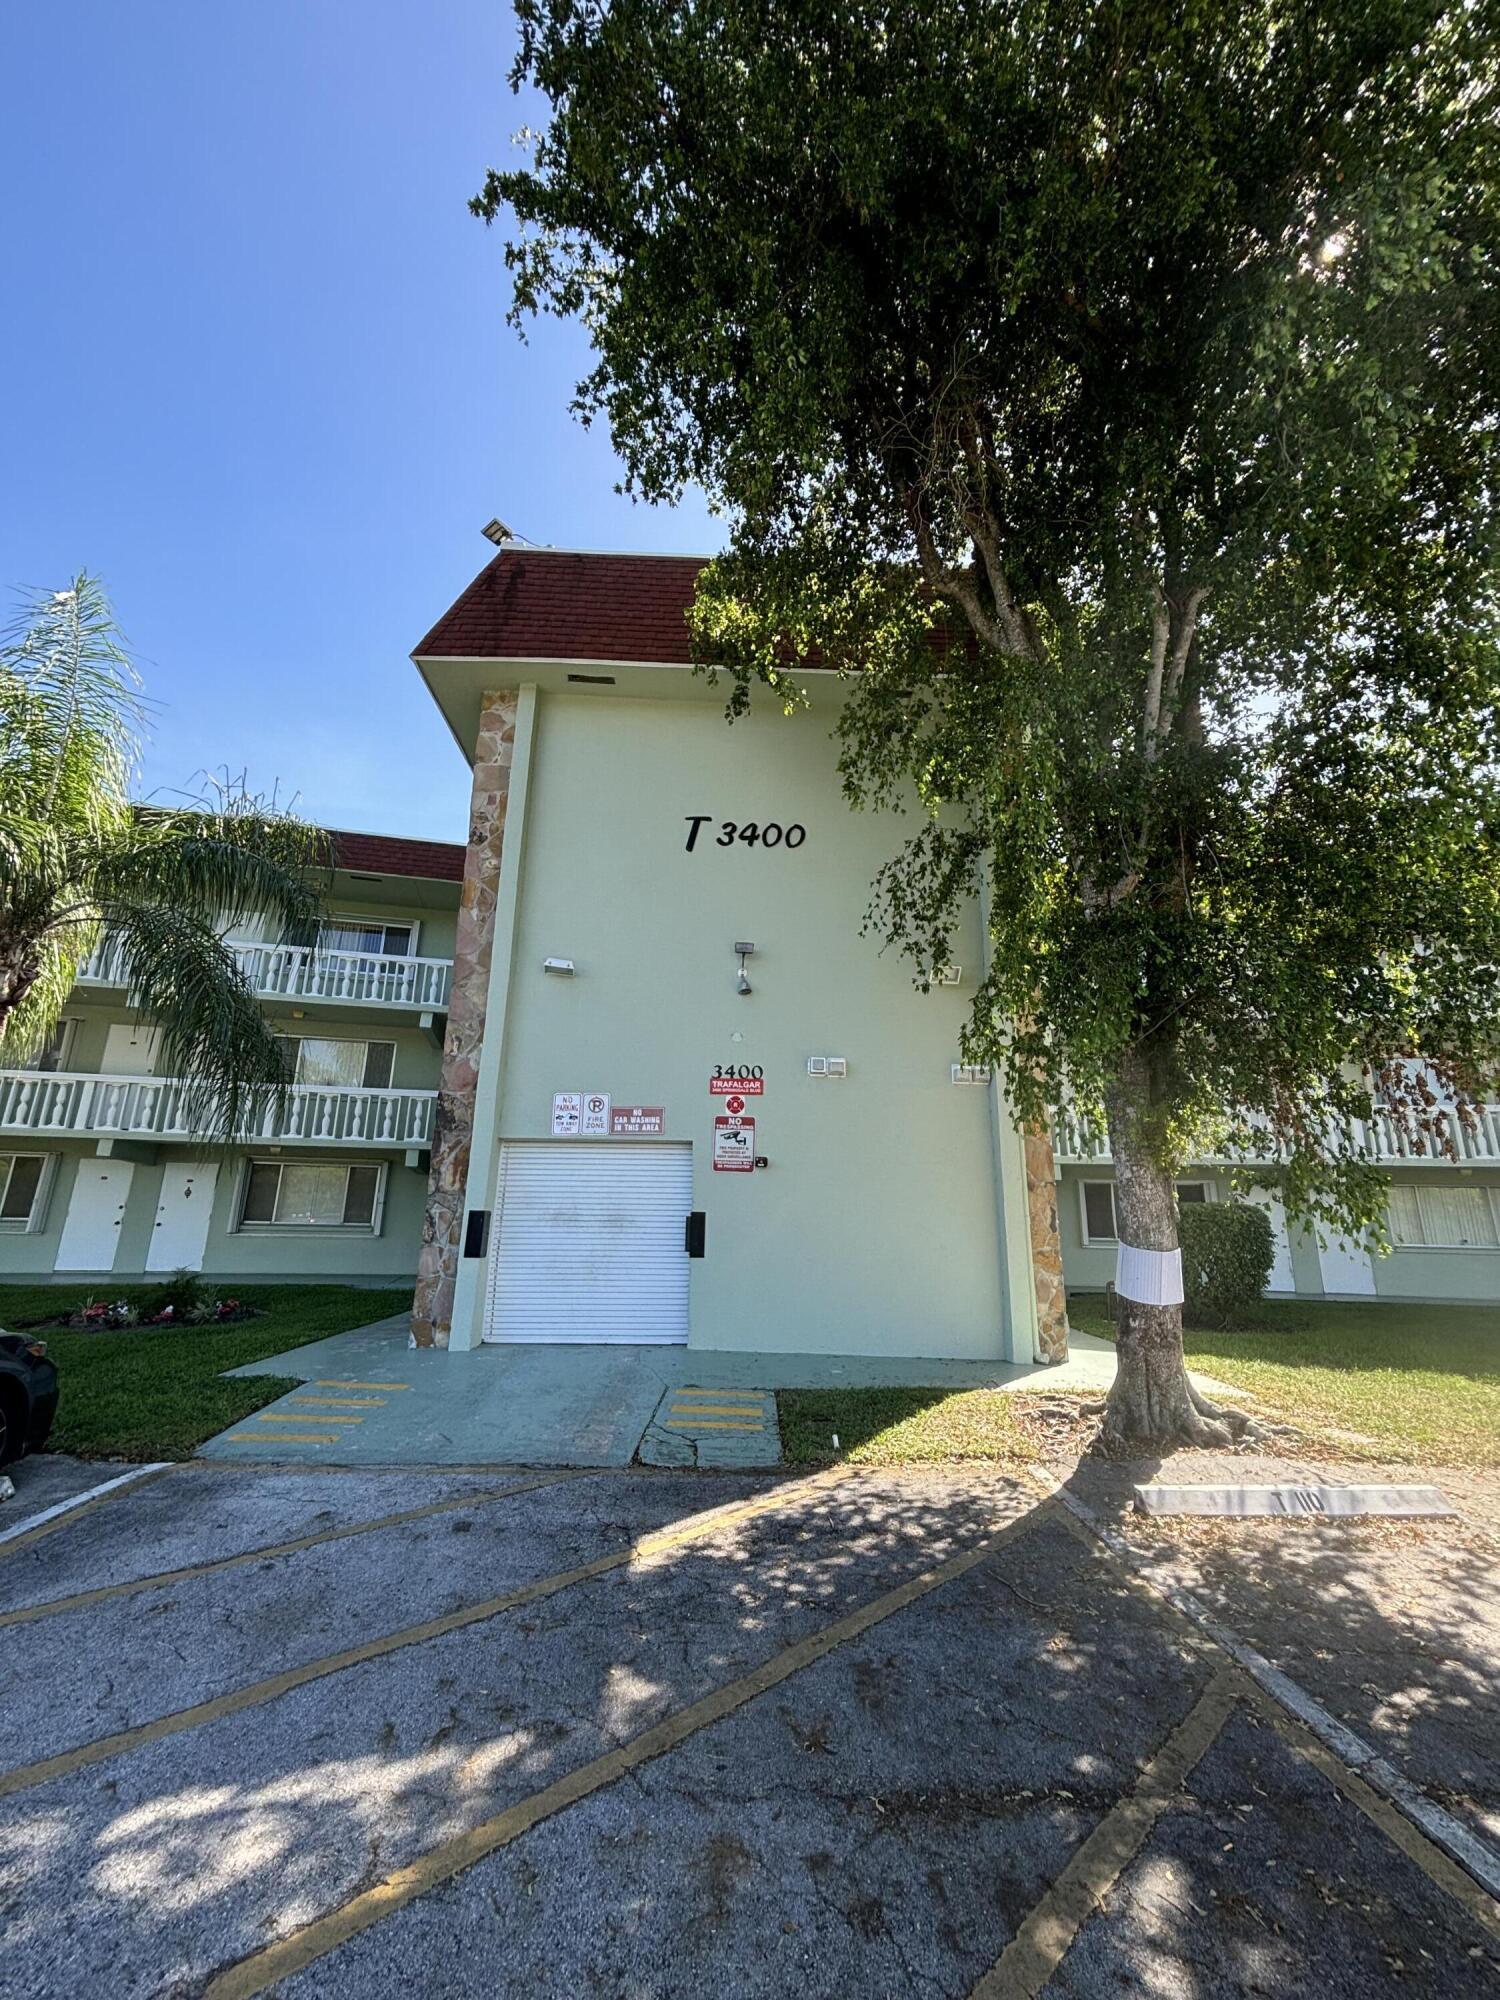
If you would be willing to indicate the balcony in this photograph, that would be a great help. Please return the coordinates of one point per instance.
(1077, 1142)
(79, 1105)
(299, 972)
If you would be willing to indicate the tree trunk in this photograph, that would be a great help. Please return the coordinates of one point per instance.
(1151, 1403)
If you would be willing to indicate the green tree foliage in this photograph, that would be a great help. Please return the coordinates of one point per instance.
(1111, 390)
(78, 858)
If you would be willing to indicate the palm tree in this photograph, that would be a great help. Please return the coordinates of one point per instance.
(79, 857)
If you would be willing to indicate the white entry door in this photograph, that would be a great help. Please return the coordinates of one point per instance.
(588, 1243)
(1346, 1268)
(1281, 1279)
(130, 1049)
(96, 1208)
(182, 1211)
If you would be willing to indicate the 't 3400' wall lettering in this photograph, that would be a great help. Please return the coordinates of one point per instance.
(749, 833)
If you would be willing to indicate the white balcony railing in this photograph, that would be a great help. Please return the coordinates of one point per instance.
(298, 972)
(1076, 1141)
(76, 1104)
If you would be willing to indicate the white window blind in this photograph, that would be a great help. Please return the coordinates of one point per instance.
(1444, 1218)
(322, 1059)
(349, 934)
(312, 1194)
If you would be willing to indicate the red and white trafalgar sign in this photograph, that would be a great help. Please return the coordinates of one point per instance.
(734, 1145)
(725, 1085)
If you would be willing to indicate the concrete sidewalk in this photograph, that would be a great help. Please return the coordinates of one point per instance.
(371, 1399)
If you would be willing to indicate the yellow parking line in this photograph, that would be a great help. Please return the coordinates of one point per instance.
(725, 1395)
(338, 1403)
(281, 1437)
(717, 1424)
(714, 1410)
(321, 1384)
(281, 1417)
(265, 1967)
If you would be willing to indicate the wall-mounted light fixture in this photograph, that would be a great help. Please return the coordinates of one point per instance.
(742, 980)
(562, 965)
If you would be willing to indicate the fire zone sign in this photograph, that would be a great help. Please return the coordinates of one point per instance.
(734, 1145)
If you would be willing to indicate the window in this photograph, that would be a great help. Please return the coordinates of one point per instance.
(353, 934)
(1445, 1218)
(21, 1179)
(312, 1194)
(1099, 1224)
(1098, 1211)
(320, 1059)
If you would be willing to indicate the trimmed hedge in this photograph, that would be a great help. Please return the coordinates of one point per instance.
(1227, 1253)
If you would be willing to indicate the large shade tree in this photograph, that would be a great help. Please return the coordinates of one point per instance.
(1112, 389)
(79, 859)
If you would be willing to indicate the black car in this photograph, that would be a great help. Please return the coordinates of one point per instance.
(28, 1395)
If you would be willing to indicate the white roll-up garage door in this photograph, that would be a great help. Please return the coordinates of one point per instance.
(587, 1242)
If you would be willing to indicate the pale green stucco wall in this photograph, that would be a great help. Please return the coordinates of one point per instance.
(874, 1229)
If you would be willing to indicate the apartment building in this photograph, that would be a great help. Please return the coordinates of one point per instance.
(685, 1098)
(626, 1066)
(1442, 1217)
(103, 1174)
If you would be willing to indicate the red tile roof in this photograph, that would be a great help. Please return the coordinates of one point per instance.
(569, 604)
(555, 604)
(386, 854)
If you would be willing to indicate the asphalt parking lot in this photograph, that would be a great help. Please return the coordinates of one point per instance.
(652, 1734)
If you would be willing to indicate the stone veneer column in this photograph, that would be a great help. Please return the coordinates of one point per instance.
(1046, 1245)
(442, 1227)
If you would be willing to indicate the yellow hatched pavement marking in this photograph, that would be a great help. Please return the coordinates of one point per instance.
(713, 1410)
(262, 1969)
(695, 1528)
(716, 1423)
(281, 1437)
(723, 1395)
(282, 1417)
(339, 1403)
(391, 1386)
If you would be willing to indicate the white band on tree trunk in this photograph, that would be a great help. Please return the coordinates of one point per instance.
(1149, 1277)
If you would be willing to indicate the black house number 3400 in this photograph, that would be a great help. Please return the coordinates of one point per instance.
(749, 833)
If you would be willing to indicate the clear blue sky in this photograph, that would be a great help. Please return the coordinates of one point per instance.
(257, 374)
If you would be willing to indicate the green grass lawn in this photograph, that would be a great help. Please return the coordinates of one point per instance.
(900, 1426)
(1410, 1384)
(155, 1392)
(1421, 1383)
